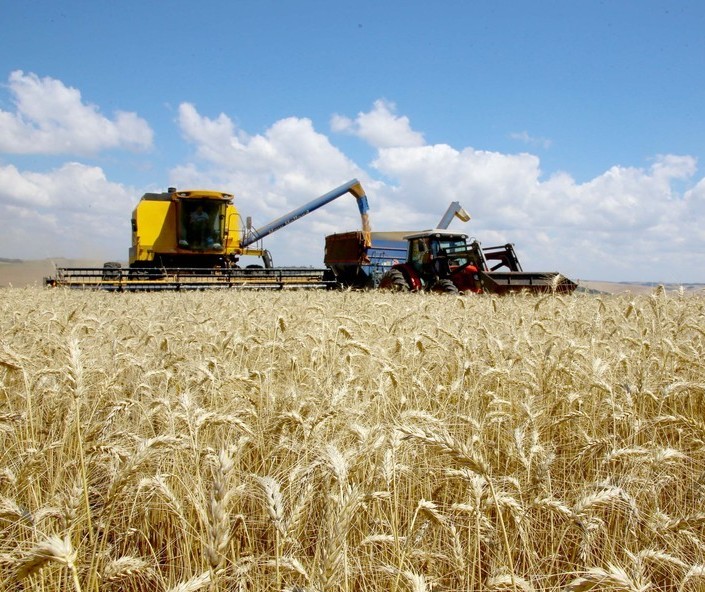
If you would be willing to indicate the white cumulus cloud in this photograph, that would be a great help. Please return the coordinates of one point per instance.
(72, 211)
(51, 118)
(609, 222)
(380, 127)
(290, 147)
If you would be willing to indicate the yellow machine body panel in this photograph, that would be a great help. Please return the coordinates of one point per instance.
(186, 229)
(152, 231)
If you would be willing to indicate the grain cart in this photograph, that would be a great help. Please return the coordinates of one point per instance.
(438, 260)
(358, 260)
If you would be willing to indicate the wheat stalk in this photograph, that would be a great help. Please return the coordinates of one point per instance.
(505, 582)
(334, 551)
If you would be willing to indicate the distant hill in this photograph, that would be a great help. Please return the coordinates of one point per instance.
(20, 273)
(636, 287)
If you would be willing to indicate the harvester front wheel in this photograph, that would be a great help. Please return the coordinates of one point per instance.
(394, 280)
(111, 270)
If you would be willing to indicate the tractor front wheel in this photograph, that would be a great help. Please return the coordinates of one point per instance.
(394, 280)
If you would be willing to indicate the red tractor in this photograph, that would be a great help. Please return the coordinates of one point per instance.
(442, 261)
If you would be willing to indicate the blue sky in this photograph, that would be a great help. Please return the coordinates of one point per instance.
(574, 129)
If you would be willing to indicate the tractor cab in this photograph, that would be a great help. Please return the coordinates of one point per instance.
(438, 260)
(434, 254)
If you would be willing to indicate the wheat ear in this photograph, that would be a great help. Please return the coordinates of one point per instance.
(53, 549)
(124, 568)
(218, 519)
(614, 578)
(193, 584)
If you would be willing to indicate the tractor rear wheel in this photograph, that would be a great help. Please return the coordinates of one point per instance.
(445, 286)
(394, 280)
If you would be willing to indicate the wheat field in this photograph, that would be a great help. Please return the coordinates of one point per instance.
(343, 441)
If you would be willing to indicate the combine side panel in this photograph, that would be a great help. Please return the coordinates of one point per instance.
(155, 230)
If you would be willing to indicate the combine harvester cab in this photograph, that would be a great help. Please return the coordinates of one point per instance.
(195, 239)
(186, 229)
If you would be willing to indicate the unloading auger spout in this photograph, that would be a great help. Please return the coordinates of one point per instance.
(353, 186)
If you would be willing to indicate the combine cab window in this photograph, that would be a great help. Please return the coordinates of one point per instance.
(201, 224)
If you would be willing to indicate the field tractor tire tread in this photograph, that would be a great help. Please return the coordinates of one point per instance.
(446, 286)
(394, 280)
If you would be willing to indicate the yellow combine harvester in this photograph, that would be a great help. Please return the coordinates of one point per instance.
(180, 229)
(195, 239)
